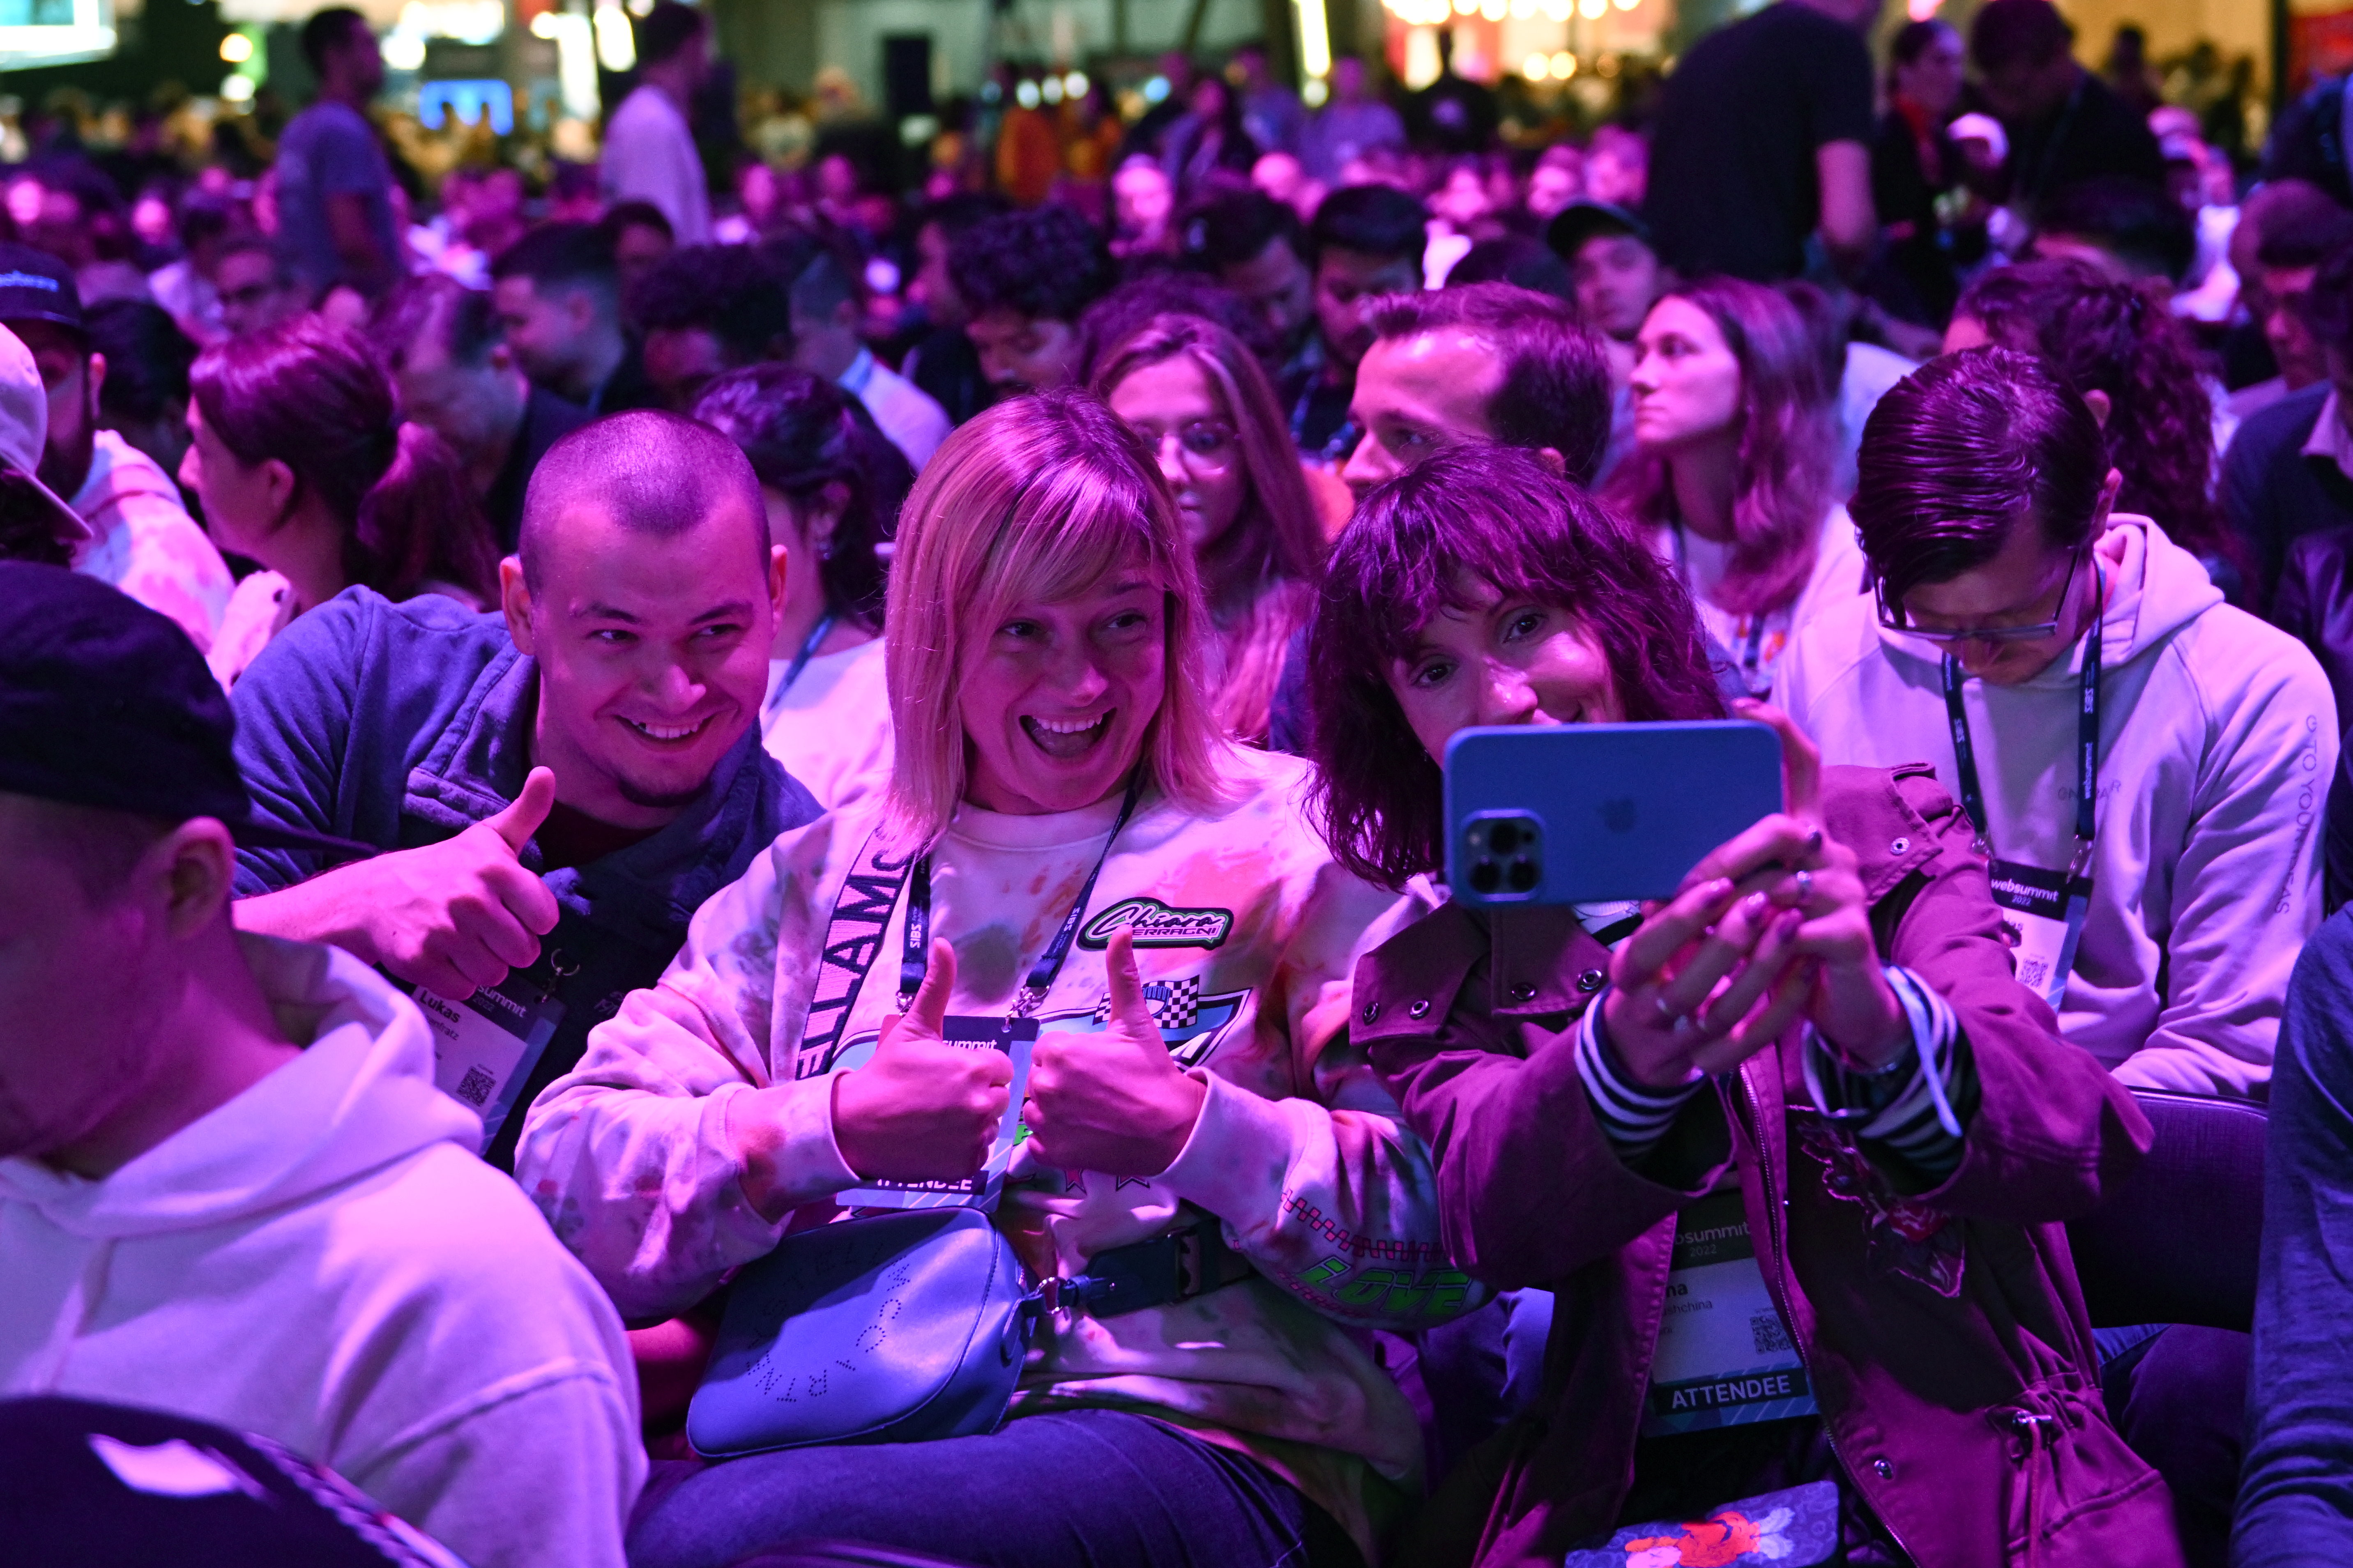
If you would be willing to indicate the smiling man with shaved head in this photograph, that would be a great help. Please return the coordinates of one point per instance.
(555, 786)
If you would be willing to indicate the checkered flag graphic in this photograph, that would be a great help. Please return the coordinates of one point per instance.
(1172, 1003)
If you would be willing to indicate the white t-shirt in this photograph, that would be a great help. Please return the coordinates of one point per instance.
(1756, 642)
(832, 729)
(258, 610)
(903, 411)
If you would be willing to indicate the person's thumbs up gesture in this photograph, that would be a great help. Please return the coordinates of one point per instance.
(457, 916)
(1115, 1102)
(920, 1109)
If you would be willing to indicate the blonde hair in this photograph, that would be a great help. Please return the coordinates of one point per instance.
(1033, 501)
(1273, 553)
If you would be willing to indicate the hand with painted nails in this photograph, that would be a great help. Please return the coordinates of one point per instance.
(1708, 980)
(1802, 868)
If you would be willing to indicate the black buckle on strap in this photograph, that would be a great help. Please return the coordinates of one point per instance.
(1189, 1261)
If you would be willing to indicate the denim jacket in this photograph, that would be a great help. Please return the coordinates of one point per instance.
(403, 725)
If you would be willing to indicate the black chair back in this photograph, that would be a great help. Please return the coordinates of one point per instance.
(2180, 1240)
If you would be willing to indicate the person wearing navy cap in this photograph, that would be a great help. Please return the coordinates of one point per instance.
(138, 535)
(228, 1186)
(1619, 277)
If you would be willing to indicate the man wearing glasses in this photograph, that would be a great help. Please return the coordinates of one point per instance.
(2146, 765)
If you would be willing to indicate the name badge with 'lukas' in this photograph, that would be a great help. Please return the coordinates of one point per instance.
(485, 1046)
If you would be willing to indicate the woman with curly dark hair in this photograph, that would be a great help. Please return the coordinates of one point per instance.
(1804, 1095)
(1636, 654)
(2134, 366)
(832, 483)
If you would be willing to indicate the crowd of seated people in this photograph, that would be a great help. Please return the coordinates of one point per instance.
(665, 902)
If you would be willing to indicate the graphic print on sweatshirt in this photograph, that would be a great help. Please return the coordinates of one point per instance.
(1191, 1025)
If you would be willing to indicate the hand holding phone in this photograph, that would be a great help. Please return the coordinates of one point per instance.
(1709, 979)
(1769, 926)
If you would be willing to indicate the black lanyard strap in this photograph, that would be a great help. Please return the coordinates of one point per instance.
(807, 651)
(916, 955)
(2087, 745)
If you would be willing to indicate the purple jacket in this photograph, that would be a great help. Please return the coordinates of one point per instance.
(1944, 1332)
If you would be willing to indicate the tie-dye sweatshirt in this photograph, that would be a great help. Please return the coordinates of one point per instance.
(1248, 935)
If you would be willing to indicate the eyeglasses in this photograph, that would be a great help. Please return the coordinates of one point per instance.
(1205, 445)
(1891, 616)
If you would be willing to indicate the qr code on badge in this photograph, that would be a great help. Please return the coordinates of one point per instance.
(475, 1088)
(1767, 1336)
(2033, 972)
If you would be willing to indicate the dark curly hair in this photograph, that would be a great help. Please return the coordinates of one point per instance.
(147, 359)
(1046, 263)
(802, 434)
(732, 291)
(1499, 515)
(2110, 338)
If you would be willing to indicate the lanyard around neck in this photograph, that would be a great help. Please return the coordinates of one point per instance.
(810, 646)
(2087, 745)
(915, 955)
(1752, 658)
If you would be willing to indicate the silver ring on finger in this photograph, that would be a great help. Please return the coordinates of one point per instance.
(1666, 1015)
(1805, 879)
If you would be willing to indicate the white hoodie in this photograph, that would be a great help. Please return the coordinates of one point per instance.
(2218, 737)
(324, 1262)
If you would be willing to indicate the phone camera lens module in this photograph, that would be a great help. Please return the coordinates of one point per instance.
(1522, 875)
(1486, 877)
(1503, 837)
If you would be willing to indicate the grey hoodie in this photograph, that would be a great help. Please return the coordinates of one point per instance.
(2218, 737)
(323, 1261)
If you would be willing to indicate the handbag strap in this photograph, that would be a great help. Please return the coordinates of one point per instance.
(1191, 1260)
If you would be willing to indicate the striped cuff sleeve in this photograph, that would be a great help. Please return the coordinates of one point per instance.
(1909, 1108)
(1633, 1117)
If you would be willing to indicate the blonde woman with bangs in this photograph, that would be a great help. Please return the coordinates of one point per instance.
(1197, 398)
(1059, 787)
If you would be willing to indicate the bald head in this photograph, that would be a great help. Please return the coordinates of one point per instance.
(651, 474)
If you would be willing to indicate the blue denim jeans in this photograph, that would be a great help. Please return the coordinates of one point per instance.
(1078, 1488)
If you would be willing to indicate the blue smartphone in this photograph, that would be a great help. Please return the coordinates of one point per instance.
(1577, 814)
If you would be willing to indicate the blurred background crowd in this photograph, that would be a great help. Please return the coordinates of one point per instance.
(150, 167)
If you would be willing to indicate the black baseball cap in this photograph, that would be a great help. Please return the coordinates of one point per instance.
(1581, 220)
(105, 703)
(36, 286)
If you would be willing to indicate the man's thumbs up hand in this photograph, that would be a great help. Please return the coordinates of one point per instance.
(458, 915)
(518, 822)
